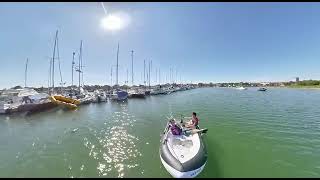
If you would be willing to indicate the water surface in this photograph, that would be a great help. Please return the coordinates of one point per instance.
(251, 134)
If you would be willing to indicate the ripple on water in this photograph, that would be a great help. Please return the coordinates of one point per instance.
(117, 147)
(312, 173)
(283, 162)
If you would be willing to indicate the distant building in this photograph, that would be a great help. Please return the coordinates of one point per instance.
(297, 79)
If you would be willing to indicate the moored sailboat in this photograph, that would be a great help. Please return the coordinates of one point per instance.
(58, 98)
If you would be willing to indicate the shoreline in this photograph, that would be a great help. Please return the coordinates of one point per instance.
(315, 88)
(302, 87)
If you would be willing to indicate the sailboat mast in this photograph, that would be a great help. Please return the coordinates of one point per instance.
(111, 77)
(72, 68)
(159, 77)
(144, 72)
(127, 82)
(170, 77)
(132, 66)
(117, 64)
(176, 77)
(25, 74)
(58, 53)
(156, 76)
(82, 66)
(166, 78)
(59, 61)
(49, 80)
(149, 74)
(79, 68)
(147, 79)
(54, 52)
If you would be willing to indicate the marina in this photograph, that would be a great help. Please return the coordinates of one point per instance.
(14, 100)
(159, 90)
(121, 139)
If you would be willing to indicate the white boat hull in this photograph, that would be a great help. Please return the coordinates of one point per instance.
(178, 174)
(241, 88)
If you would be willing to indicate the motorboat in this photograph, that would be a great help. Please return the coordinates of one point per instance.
(87, 99)
(113, 96)
(170, 90)
(10, 101)
(158, 91)
(24, 100)
(122, 95)
(136, 94)
(262, 89)
(102, 97)
(185, 155)
(119, 95)
(147, 92)
(241, 88)
(32, 101)
(178, 89)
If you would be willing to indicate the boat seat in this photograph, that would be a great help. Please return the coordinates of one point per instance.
(182, 141)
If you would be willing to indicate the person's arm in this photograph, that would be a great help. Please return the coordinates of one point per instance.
(190, 124)
(185, 123)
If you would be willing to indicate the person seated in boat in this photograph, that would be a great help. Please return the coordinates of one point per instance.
(193, 123)
(175, 129)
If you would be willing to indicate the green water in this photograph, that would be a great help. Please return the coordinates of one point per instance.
(251, 134)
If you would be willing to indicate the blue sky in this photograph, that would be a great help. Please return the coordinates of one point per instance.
(205, 42)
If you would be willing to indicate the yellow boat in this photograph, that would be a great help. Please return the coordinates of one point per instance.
(67, 102)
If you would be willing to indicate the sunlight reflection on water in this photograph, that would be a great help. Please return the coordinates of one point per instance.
(119, 147)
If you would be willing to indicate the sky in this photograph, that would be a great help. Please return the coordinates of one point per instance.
(201, 42)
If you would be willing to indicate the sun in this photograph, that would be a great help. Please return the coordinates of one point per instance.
(112, 22)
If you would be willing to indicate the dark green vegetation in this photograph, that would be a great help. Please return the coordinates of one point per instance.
(305, 84)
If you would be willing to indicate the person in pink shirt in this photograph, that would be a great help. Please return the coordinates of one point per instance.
(193, 123)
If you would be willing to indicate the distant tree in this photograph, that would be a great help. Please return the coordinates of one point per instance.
(124, 87)
(308, 83)
(17, 87)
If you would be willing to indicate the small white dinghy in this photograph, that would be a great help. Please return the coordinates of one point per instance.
(241, 88)
(183, 156)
